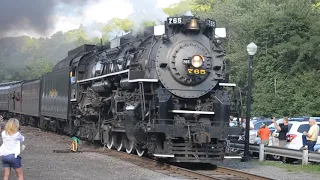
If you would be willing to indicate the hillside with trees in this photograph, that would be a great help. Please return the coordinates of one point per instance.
(286, 66)
(28, 58)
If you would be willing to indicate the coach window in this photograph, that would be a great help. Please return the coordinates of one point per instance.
(72, 76)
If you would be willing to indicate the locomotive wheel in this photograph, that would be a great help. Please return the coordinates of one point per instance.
(129, 145)
(109, 141)
(118, 142)
(140, 151)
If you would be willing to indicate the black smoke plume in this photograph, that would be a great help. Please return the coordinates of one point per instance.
(31, 15)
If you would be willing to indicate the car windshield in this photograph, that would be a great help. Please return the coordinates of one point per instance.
(258, 124)
(304, 127)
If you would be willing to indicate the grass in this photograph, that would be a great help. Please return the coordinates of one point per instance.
(309, 168)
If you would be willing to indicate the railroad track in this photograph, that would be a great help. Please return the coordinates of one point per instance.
(210, 172)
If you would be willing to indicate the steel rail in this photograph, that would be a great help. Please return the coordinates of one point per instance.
(242, 174)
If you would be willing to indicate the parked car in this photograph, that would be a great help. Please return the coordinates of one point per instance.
(259, 123)
(294, 136)
(317, 148)
(280, 122)
(275, 134)
(257, 119)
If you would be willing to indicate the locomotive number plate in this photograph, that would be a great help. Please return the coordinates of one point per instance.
(175, 20)
(197, 71)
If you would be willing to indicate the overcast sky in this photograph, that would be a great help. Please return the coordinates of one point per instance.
(67, 15)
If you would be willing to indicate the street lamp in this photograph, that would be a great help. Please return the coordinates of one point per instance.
(252, 49)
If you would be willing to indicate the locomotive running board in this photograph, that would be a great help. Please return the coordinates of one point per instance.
(190, 112)
(164, 155)
(143, 80)
(106, 75)
(232, 157)
(227, 84)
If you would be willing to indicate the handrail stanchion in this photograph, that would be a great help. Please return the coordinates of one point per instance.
(261, 152)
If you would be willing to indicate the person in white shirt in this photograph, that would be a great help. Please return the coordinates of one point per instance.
(231, 123)
(244, 124)
(10, 149)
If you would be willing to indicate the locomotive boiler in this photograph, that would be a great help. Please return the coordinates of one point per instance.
(159, 92)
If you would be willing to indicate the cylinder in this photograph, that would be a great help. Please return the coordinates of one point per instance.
(101, 87)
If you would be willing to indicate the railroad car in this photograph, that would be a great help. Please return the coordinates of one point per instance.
(30, 102)
(5, 97)
(159, 92)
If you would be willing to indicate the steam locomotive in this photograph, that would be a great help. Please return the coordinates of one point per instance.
(159, 92)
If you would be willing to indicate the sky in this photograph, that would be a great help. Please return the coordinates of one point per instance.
(67, 15)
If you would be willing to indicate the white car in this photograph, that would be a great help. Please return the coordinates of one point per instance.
(275, 134)
(294, 136)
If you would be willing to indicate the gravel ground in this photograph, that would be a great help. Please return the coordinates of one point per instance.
(40, 163)
(266, 171)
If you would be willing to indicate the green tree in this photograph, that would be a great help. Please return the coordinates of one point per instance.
(36, 69)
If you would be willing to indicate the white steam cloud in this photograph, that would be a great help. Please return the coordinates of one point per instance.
(188, 13)
(137, 11)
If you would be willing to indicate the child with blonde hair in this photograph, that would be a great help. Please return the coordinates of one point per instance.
(10, 149)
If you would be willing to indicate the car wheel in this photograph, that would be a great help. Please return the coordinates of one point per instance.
(288, 160)
(275, 158)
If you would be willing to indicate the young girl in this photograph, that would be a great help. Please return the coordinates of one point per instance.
(10, 149)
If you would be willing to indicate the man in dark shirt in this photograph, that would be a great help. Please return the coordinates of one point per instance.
(283, 130)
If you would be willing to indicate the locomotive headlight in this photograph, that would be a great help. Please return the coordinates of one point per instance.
(197, 61)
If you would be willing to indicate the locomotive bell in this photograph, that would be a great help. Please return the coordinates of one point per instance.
(193, 25)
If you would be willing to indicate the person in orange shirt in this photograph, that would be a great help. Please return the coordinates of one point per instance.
(264, 133)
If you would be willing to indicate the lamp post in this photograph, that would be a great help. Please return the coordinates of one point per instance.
(252, 49)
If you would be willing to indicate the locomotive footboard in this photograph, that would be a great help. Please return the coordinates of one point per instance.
(195, 153)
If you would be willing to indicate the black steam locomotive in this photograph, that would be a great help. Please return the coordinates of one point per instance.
(158, 92)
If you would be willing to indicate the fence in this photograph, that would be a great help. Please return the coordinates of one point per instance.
(304, 155)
